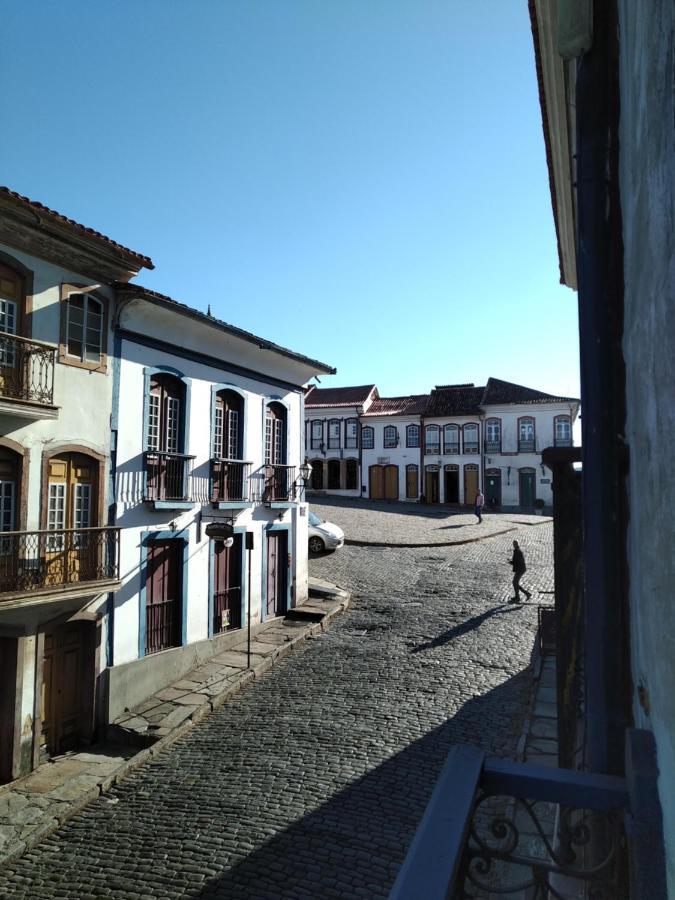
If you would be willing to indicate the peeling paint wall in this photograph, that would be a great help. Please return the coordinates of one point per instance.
(647, 160)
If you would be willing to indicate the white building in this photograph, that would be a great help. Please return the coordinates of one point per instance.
(208, 427)
(58, 550)
(441, 447)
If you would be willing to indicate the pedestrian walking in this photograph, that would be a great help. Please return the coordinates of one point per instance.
(478, 506)
(519, 568)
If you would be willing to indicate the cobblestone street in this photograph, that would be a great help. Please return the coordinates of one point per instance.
(311, 782)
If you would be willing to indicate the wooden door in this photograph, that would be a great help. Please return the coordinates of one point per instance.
(376, 478)
(163, 596)
(452, 484)
(227, 586)
(431, 486)
(470, 484)
(67, 671)
(391, 482)
(493, 489)
(71, 504)
(411, 488)
(277, 572)
(527, 489)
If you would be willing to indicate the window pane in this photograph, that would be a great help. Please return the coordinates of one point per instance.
(218, 432)
(153, 422)
(367, 438)
(75, 334)
(233, 434)
(172, 420)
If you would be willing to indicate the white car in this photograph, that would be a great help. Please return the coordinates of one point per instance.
(324, 535)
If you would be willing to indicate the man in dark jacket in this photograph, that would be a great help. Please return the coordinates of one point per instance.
(519, 568)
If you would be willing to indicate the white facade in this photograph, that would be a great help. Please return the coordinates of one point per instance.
(332, 447)
(396, 443)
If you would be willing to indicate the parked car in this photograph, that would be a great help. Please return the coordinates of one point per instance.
(324, 535)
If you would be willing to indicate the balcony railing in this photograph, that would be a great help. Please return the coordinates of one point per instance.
(493, 446)
(432, 449)
(279, 483)
(451, 449)
(230, 480)
(35, 560)
(167, 476)
(563, 442)
(471, 447)
(528, 446)
(26, 370)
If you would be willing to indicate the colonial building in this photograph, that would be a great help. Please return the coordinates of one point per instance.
(332, 436)
(441, 447)
(59, 543)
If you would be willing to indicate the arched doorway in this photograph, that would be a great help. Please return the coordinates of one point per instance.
(431, 484)
(493, 488)
(317, 474)
(333, 474)
(470, 484)
(72, 505)
(451, 483)
(352, 474)
(527, 488)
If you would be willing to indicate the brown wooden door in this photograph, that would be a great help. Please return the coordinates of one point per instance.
(470, 484)
(431, 486)
(227, 586)
(71, 504)
(411, 489)
(277, 571)
(376, 477)
(66, 671)
(163, 596)
(391, 482)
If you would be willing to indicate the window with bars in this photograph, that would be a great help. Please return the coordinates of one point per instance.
(84, 327)
(367, 438)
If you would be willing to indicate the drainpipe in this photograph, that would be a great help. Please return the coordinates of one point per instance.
(605, 463)
(421, 469)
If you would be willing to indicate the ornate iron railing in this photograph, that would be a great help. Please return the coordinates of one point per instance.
(279, 483)
(492, 446)
(471, 447)
(563, 442)
(26, 370)
(451, 449)
(33, 560)
(230, 480)
(526, 446)
(167, 476)
(500, 828)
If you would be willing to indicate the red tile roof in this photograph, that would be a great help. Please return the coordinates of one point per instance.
(498, 392)
(20, 200)
(339, 396)
(454, 400)
(412, 405)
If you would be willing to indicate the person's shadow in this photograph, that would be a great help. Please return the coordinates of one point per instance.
(464, 627)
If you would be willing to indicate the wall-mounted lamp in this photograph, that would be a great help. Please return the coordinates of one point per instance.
(304, 473)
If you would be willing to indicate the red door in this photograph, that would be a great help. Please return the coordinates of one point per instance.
(227, 586)
(277, 571)
(163, 600)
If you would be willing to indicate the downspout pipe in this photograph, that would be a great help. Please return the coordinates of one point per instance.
(600, 273)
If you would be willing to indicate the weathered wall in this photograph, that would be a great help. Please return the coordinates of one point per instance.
(647, 161)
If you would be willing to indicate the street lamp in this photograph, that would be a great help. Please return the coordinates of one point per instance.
(305, 472)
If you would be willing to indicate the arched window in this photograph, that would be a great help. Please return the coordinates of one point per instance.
(317, 474)
(228, 425)
(351, 434)
(411, 482)
(334, 434)
(317, 434)
(412, 436)
(526, 435)
(275, 434)
(432, 439)
(367, 438)
(451, 439)
(563, 431)
(471, 438)
(390, 436)
(84, 328)
(166, 466)
(333, 474)
(493, 436)
(352, 475)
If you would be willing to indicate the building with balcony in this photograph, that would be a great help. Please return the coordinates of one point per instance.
(59, 546)
(391, 438)
(207, 428)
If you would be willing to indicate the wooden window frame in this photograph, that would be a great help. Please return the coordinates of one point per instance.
(21, 489)
(464, 440)
(532, 419)
(486, 439)
(385, 444)
(427, 451)
(330, 440)
(64, 357)
(98, 463)
(24, 323)
(355, 438)
(312, 444)
(447, 444)
(371, 433)
(407, 435)
(563, 417)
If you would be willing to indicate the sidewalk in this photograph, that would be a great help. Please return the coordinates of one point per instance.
(34, 806)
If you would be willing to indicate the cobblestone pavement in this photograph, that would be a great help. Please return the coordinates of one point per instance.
(413, 523)
(311, 783)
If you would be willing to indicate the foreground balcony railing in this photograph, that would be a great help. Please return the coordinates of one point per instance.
(526, 446)
(167, 476)
(230, 480)
(279, 483)
(26, 370)
(492, 446)
(35, 560)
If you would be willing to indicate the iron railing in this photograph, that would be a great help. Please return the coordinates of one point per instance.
(492, 446)
(432, 449)
(167, 476)
(227, 610)
(526, 446)
(33, 560)
(26, 370)
(279, 483)
(451, 449)
(563, 442)
(230, 479)
(471, 447)
(162, 625)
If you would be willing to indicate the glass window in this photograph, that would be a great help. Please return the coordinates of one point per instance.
(432, 439)
(334, 434)
(563, 430)
(526, 434)
(451, 439)
(314, 519)
(367, 438)
(84, 327)
(317, 434)
(471, 438)
(412, 436)
(351, 434)
(390, 436)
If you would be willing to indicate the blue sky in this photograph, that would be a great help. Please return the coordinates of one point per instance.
(364, 182)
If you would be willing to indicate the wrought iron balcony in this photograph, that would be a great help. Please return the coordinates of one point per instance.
(36, 561)
(528, 446)
(26, 370)
(279, 483)
(167, 476)
(492, 446)
(230, 480)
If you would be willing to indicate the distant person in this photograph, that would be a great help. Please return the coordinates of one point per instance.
(478, 506)
(519, 568)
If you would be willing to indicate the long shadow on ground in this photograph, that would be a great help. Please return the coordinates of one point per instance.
(468, 625)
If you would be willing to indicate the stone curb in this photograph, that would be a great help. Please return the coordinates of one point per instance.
(481, 537)
(70, 808)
